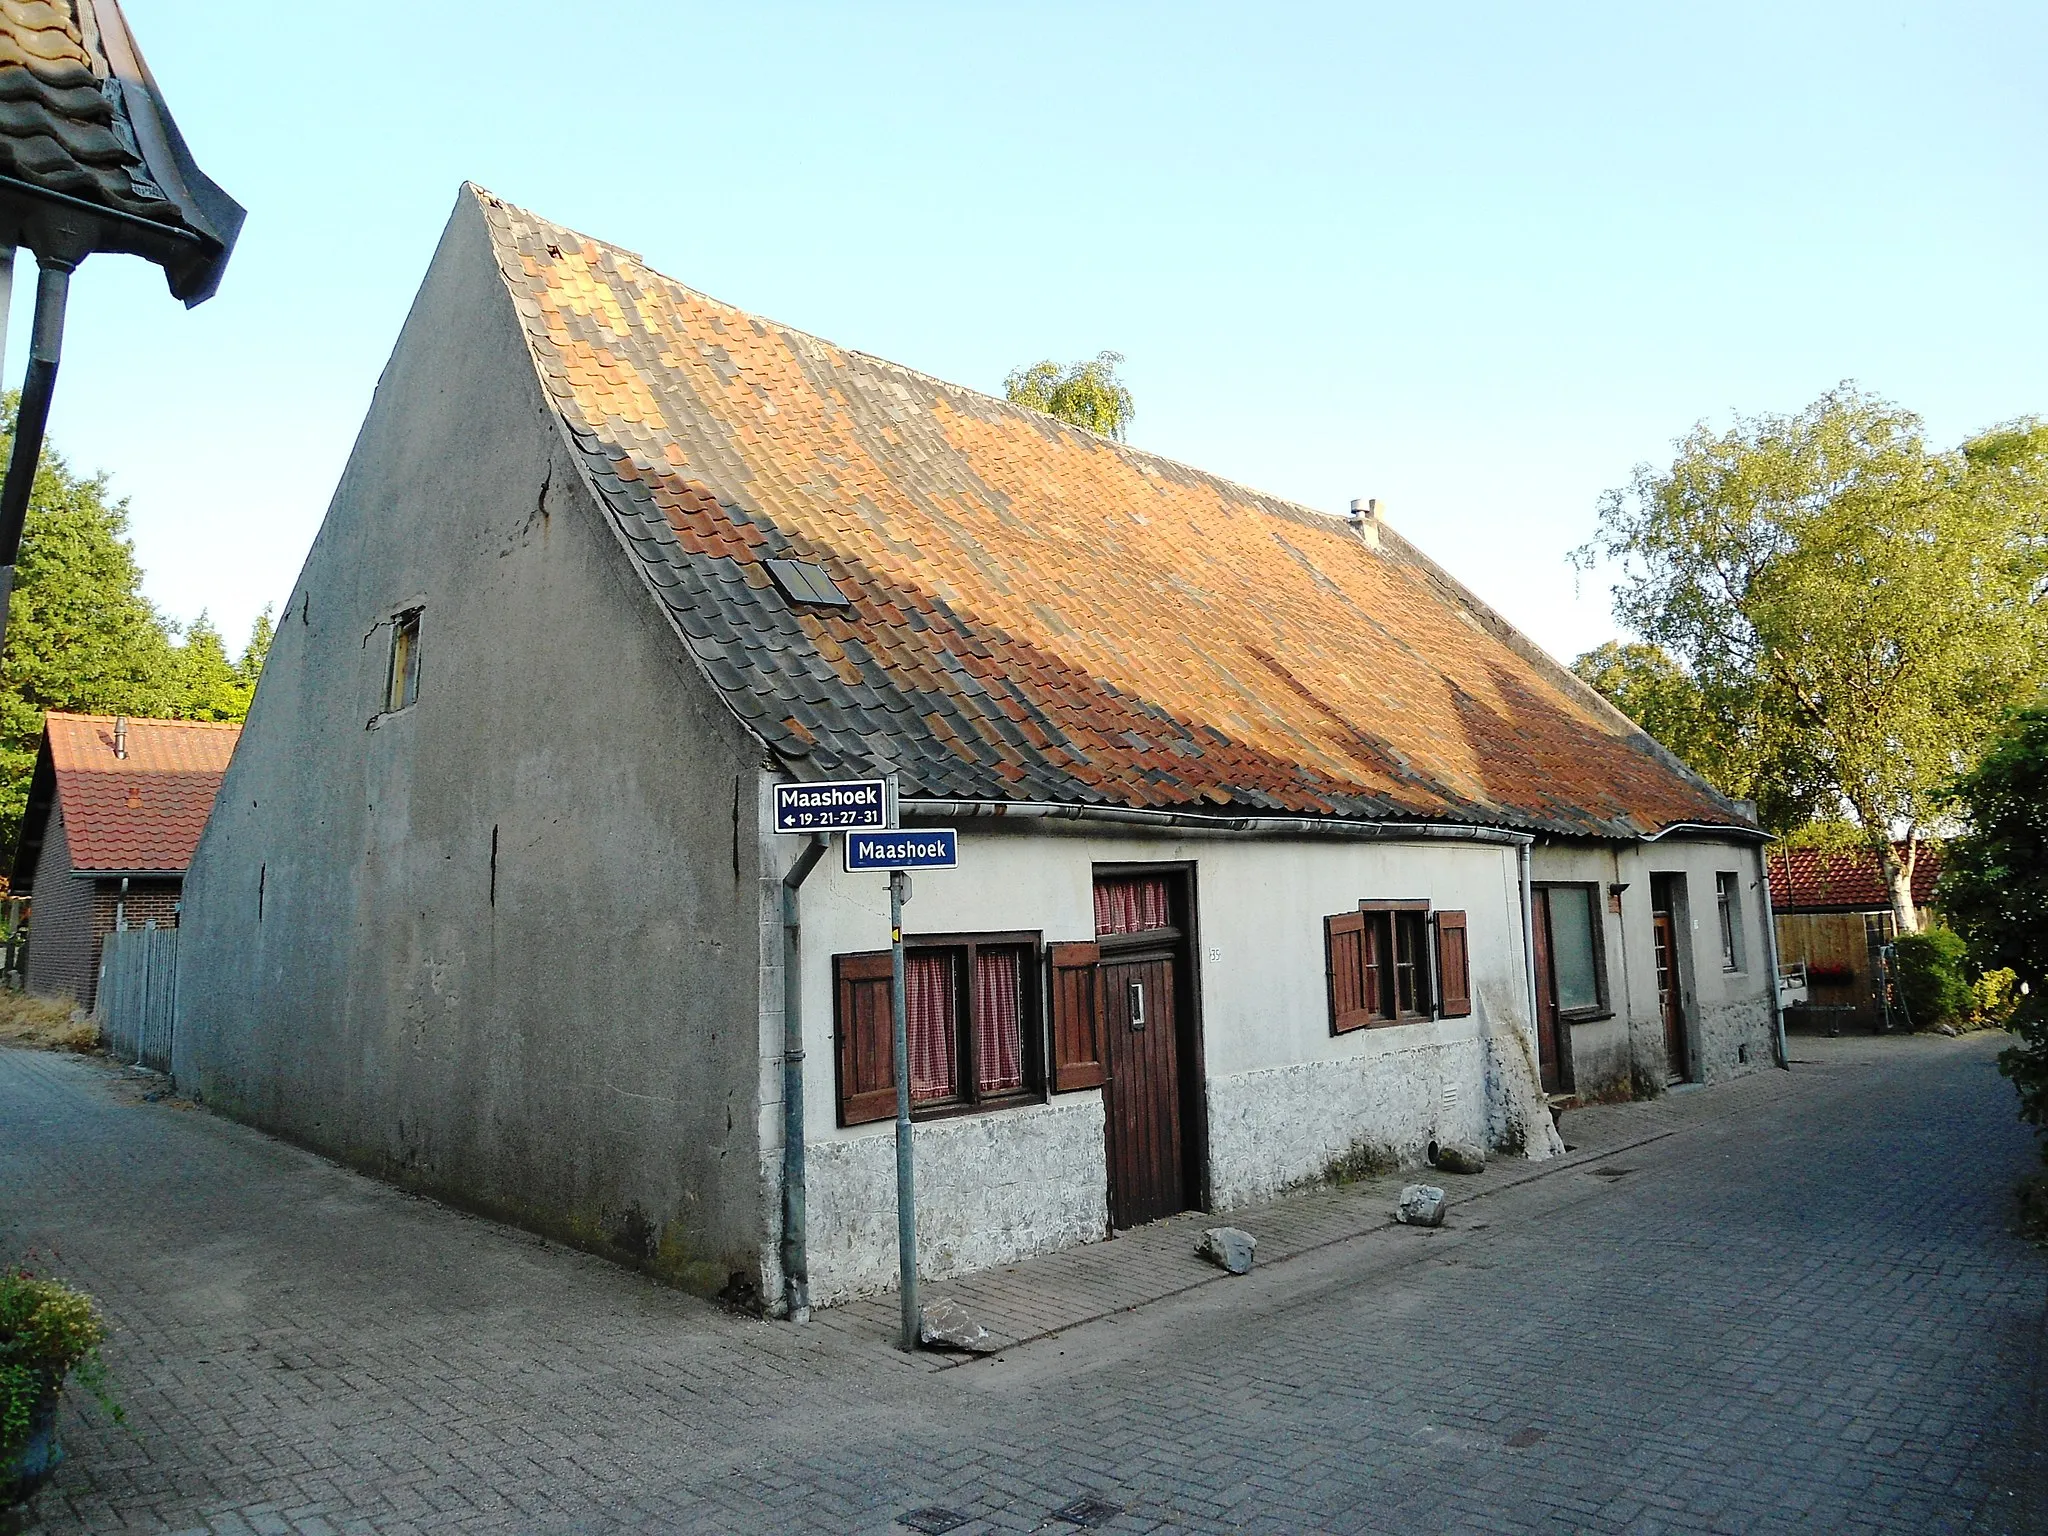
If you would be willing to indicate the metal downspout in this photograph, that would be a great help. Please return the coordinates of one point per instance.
(796, 1278)
(1522, 860)
(46, 347)
(1763, 871)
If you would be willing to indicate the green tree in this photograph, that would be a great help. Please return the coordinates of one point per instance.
(82, 636)
(257, 651)
(1719, 736)
(1865, 604)
(1994, 889)
(204, 684)
(1085, 394)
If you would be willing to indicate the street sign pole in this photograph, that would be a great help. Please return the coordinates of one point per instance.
(906, 1186)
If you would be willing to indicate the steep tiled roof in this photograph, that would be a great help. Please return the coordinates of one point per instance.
(1037, 613)
(144, 811)
(1844, 879)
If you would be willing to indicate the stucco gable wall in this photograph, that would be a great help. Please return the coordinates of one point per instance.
(499, 945)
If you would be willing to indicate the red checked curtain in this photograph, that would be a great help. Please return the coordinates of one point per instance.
(998, 1019)
(1133, 905)
(930, 1001)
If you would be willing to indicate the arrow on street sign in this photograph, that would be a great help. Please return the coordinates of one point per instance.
(842, 805)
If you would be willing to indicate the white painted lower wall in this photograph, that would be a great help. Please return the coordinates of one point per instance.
(1299, 1124)
(990, 1188)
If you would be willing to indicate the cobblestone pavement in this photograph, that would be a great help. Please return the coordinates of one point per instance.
(1789, 1303)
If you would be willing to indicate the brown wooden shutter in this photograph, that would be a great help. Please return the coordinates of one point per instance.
(1453, 966)
(864, 1022)
(1076, 1018)
(1344, 944)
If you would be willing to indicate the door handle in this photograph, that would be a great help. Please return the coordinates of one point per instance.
(1137, 1005)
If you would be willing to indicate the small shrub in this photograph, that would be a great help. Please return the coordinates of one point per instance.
(1994, 999)
(45, 1023)
(48, 1330)
(1929, 972)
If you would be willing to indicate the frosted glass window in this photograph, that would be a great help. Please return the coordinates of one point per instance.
(1571, 948)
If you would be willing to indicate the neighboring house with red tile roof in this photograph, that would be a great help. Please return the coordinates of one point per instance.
(1833, 914)
(1847, 879)
(1277, 846)
(115, 807)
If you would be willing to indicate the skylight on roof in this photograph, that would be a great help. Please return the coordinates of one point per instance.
(802, 581)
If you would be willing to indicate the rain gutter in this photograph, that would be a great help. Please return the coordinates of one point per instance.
(1244, 826)
(1715, 828)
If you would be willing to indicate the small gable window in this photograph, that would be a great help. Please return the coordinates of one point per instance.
(404, 684)
(802, 581)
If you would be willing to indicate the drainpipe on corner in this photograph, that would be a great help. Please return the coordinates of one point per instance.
(1529, 936)
(796, 1278)
(1763, 885)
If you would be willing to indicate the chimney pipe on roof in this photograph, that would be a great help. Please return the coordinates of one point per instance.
(1365, 517)
(120, 735)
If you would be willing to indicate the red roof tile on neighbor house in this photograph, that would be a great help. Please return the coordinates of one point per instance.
(1033, 612)
(144, 811)
(1844, 879)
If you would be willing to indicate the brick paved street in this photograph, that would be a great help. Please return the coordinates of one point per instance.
(1788, 1303)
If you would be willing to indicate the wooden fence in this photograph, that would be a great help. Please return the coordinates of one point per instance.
(138, 995)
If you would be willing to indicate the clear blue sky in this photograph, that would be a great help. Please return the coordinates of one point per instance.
(1475, 261)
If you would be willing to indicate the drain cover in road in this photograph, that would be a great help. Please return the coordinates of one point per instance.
(1612, 1173)
(934, 1521)
(1088, 1512)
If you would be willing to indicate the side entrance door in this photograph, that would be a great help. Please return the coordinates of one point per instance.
(1143, 922)
(1548, 1053)
(1669, 1003)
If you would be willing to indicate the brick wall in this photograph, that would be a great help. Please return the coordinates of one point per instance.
(62, 952)
(69, 918)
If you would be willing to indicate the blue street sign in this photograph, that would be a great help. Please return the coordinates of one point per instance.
(841, 806)
(903, 848)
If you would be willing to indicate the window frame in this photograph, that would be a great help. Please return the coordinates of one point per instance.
(1728, 904)
(967, 1098)
(1383, 924)
(402, 677)
(1596, 912)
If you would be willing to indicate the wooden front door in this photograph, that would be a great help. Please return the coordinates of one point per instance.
(1669, 1003)
(1141, 1020)
(1547, 1025)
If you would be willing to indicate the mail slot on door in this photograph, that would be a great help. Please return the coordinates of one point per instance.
(1137, 1005)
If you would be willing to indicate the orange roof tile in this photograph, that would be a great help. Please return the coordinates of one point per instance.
(1844, 879)
(1038, 612)
(144, 811)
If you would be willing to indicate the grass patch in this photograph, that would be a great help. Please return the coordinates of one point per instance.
(1363, 1159)
(45, 1023)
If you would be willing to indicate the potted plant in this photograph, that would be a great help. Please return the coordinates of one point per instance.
(48, 1332)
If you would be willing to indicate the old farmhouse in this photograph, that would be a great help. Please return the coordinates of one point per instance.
(1279, 850)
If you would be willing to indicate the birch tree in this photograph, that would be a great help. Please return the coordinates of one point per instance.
(1873, 603)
